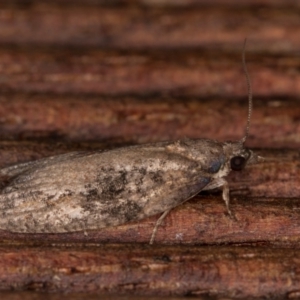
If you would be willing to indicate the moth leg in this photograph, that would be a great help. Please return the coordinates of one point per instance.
(225, 196)
(221, 182)
(157, 224)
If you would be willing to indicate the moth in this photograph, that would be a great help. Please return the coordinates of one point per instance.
(83, 191)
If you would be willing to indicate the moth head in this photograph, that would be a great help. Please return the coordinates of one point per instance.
(238, 156)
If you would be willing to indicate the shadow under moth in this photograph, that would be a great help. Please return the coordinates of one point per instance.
(83, 191)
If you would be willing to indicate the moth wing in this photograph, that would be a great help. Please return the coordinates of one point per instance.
(18, 169)
(96, 190)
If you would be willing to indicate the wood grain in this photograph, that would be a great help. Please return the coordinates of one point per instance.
(137, 27)
(131, 119)
(163, 270)
(85, 75)
(187, 72)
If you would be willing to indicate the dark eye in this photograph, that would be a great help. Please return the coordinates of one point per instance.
(237, 163)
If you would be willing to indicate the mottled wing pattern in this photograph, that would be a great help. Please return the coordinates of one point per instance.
(82, 191)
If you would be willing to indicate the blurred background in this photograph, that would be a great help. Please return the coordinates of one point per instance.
(138, 71)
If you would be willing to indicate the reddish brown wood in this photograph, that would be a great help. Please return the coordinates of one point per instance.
(166, 3)
(80, 75)
(33, 295)
(184, 73)
(140, 120)
(136, 27)
(136, 269)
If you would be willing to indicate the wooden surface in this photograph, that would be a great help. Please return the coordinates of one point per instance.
(167, 270)
(91, 296)
(82, 75)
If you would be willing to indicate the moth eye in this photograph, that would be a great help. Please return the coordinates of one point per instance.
(237, 163)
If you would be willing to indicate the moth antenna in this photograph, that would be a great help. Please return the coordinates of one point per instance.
(249, 94)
